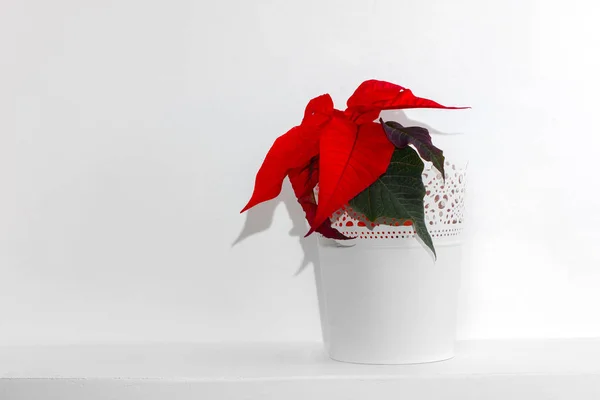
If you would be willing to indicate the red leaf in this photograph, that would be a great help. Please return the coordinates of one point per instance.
(305, 179)
(373, 96)
(318, 111)
(352, 158)
(293, 149)
(303, 182)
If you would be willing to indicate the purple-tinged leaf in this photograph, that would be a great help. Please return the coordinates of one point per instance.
(417, 136)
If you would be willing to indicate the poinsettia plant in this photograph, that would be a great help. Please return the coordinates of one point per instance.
(356, 159)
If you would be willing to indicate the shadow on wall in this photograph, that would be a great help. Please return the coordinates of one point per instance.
(260, 218)
(400, 116)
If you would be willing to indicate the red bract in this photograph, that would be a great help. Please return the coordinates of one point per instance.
(352, 157)
(293, 149)
(318, 111)
(373, 96)
(304, 181)
(344, 152)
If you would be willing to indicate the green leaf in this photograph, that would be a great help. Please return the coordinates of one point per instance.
(398, 193)
(419, 137)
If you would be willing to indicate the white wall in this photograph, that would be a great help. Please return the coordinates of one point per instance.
(130, 133)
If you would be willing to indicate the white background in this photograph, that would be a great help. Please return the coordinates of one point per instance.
(130, 133)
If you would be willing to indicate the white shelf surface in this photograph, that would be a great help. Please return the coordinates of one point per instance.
(490, 370)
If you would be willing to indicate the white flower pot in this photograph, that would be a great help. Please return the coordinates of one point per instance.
(389, 304)
(383, 298)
